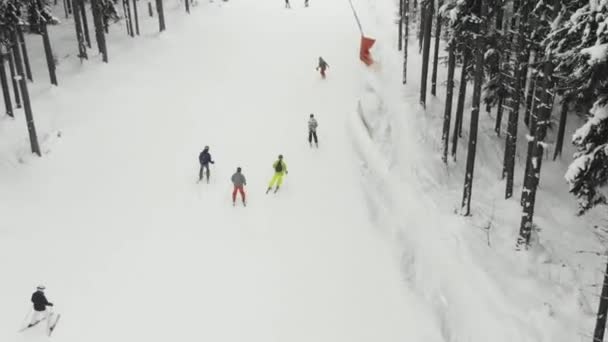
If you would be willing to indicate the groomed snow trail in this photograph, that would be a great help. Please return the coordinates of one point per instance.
(131, 249)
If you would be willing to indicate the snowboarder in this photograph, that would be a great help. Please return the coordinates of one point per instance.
(238, 179)
(280, 169)
(287, 5)
(204, 158)
(40, 303)
(322, 66)
(312, 130)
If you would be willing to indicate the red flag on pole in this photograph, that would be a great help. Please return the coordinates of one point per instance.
(364, 54)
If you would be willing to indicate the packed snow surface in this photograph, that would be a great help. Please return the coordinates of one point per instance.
(132, 249)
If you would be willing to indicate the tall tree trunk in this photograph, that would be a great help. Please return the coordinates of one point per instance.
(436, 55)
(462, 91)
(400, 26)
(471, 151)
(82, 50)
(85, 22)
(542, 121)
(26, 58)
(445, 136)
(511, 136)
(428, 25)
(406, 23)
(29, 117)
(602, 311)
(421, 25)
(46, 43)
(48, 53)
(97, 8)
(126, 5)
(11, 67)
(161, 15)
(499, 112)
(561, 130)
(136, 15)
(530, 96)
(530, 151)
(5, 87)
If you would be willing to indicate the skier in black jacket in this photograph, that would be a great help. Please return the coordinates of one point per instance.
(204, 158)
(40, 304)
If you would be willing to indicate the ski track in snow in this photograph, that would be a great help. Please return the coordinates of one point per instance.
(131, 249)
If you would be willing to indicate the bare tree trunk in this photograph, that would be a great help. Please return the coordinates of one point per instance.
(136, 15)
(26, 58)
(428, 25)
(561, 130)
(530, 96)
(470, 168)
(542, 121)
(161, 15)
(511, 136)
(5, 88)
(11, 66)
(462, 91)
(602, 311)
(48, 53)
(421, 26)
(445, 136)
(29, 117)
(406, 23)
(97, 8)
(126, 5)
(436, 56)
(499, 112)
(400, 26)
(82, 50)
(85, 22)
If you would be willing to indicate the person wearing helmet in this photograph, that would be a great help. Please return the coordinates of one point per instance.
(312, 130)
(280, 169)
(204, 158)
(40, 303)
(322, 66)
(239, 181)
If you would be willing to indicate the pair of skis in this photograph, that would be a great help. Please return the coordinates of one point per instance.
(51, 326)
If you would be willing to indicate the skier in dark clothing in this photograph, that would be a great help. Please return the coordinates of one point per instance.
(204, 158)
(305, 3)
(312, 130)
(322, 66)
(40, 304)
(287, 5)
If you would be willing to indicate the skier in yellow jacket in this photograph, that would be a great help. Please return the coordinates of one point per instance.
(280, 169)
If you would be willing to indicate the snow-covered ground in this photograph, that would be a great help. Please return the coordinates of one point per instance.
(361, 244)
(130, 248)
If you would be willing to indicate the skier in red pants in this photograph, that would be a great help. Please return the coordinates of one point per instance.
(239, 181)
(322, 66)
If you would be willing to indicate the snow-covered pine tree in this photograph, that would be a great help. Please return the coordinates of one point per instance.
(579, 40)
(588, 173)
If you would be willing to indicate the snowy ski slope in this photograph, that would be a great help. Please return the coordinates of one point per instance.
(131, 249)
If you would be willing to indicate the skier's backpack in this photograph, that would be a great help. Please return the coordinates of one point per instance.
(279, 166)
